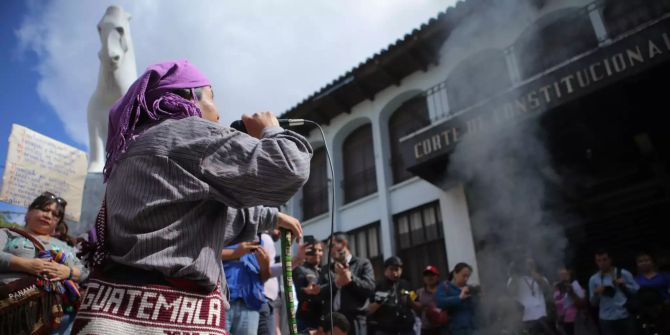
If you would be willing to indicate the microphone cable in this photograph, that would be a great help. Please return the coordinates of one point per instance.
(287, 273)
(300, 122)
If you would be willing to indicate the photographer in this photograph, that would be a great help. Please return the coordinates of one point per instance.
(308, 286)
(354, 281)
(610, 289)
(390, 311)
(568, 296)
(532, 290)
(459, 299)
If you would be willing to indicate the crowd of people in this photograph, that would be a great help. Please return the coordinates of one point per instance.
(614, 301)
(620, 302)
(185, 242)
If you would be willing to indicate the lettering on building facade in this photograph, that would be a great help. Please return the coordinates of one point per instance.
(583, 75)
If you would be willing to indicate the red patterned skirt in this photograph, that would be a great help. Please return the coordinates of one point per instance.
(114, 307)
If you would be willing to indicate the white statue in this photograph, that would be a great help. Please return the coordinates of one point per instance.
(117, 72)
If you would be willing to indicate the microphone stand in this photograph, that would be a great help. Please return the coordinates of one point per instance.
(287, 276)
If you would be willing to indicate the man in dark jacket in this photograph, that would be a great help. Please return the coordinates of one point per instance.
(389, 311)
(353, 283)
(307, 279)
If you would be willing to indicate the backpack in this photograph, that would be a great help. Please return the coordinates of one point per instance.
(632, 304)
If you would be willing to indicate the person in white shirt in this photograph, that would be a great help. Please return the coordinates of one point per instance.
(270, 313)
(266, 323)
(529, 288)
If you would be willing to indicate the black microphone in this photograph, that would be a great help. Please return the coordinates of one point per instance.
(239, 125)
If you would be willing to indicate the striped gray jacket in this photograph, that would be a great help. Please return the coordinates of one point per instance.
(186, 188)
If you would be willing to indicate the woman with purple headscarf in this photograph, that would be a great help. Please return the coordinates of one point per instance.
(180, 187)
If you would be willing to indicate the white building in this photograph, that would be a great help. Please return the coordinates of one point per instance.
(479, 62)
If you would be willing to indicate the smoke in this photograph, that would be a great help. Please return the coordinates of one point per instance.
(509, 182)
(515, 206)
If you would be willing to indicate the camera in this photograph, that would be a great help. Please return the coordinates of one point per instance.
(381, 297)
(609, 291)
(474, 290)
(312, 279)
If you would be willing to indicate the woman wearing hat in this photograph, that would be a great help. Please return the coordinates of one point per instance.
(425, 302)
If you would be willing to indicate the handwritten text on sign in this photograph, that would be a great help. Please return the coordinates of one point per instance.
(36, 163)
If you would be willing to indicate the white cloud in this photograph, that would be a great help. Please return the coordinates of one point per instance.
(259, 54)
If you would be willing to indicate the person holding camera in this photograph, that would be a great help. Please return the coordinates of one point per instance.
(531, 290)
(610, 289)
(568, 296)
(354, 281)
(247, 267)
(390, 310)
(459, 300)
(307, 280)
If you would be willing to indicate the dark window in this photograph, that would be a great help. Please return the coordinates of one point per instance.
(364, 242)
(360, 178)
(478, 77)
(408, 118)
(420, 241)
(555, 38)
(623, 15)
(315, 191)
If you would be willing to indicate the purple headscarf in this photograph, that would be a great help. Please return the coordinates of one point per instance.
(149, 99)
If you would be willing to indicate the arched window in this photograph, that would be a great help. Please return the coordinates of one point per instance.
(408, 118)
(478, 77)
(315, 191)
(553, 39)
(360, 178)
(623, 15)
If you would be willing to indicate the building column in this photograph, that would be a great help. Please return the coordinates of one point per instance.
(458, 237)
(382, 168)
(335, 180)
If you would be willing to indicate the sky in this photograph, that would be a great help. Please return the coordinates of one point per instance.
(259, 54)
